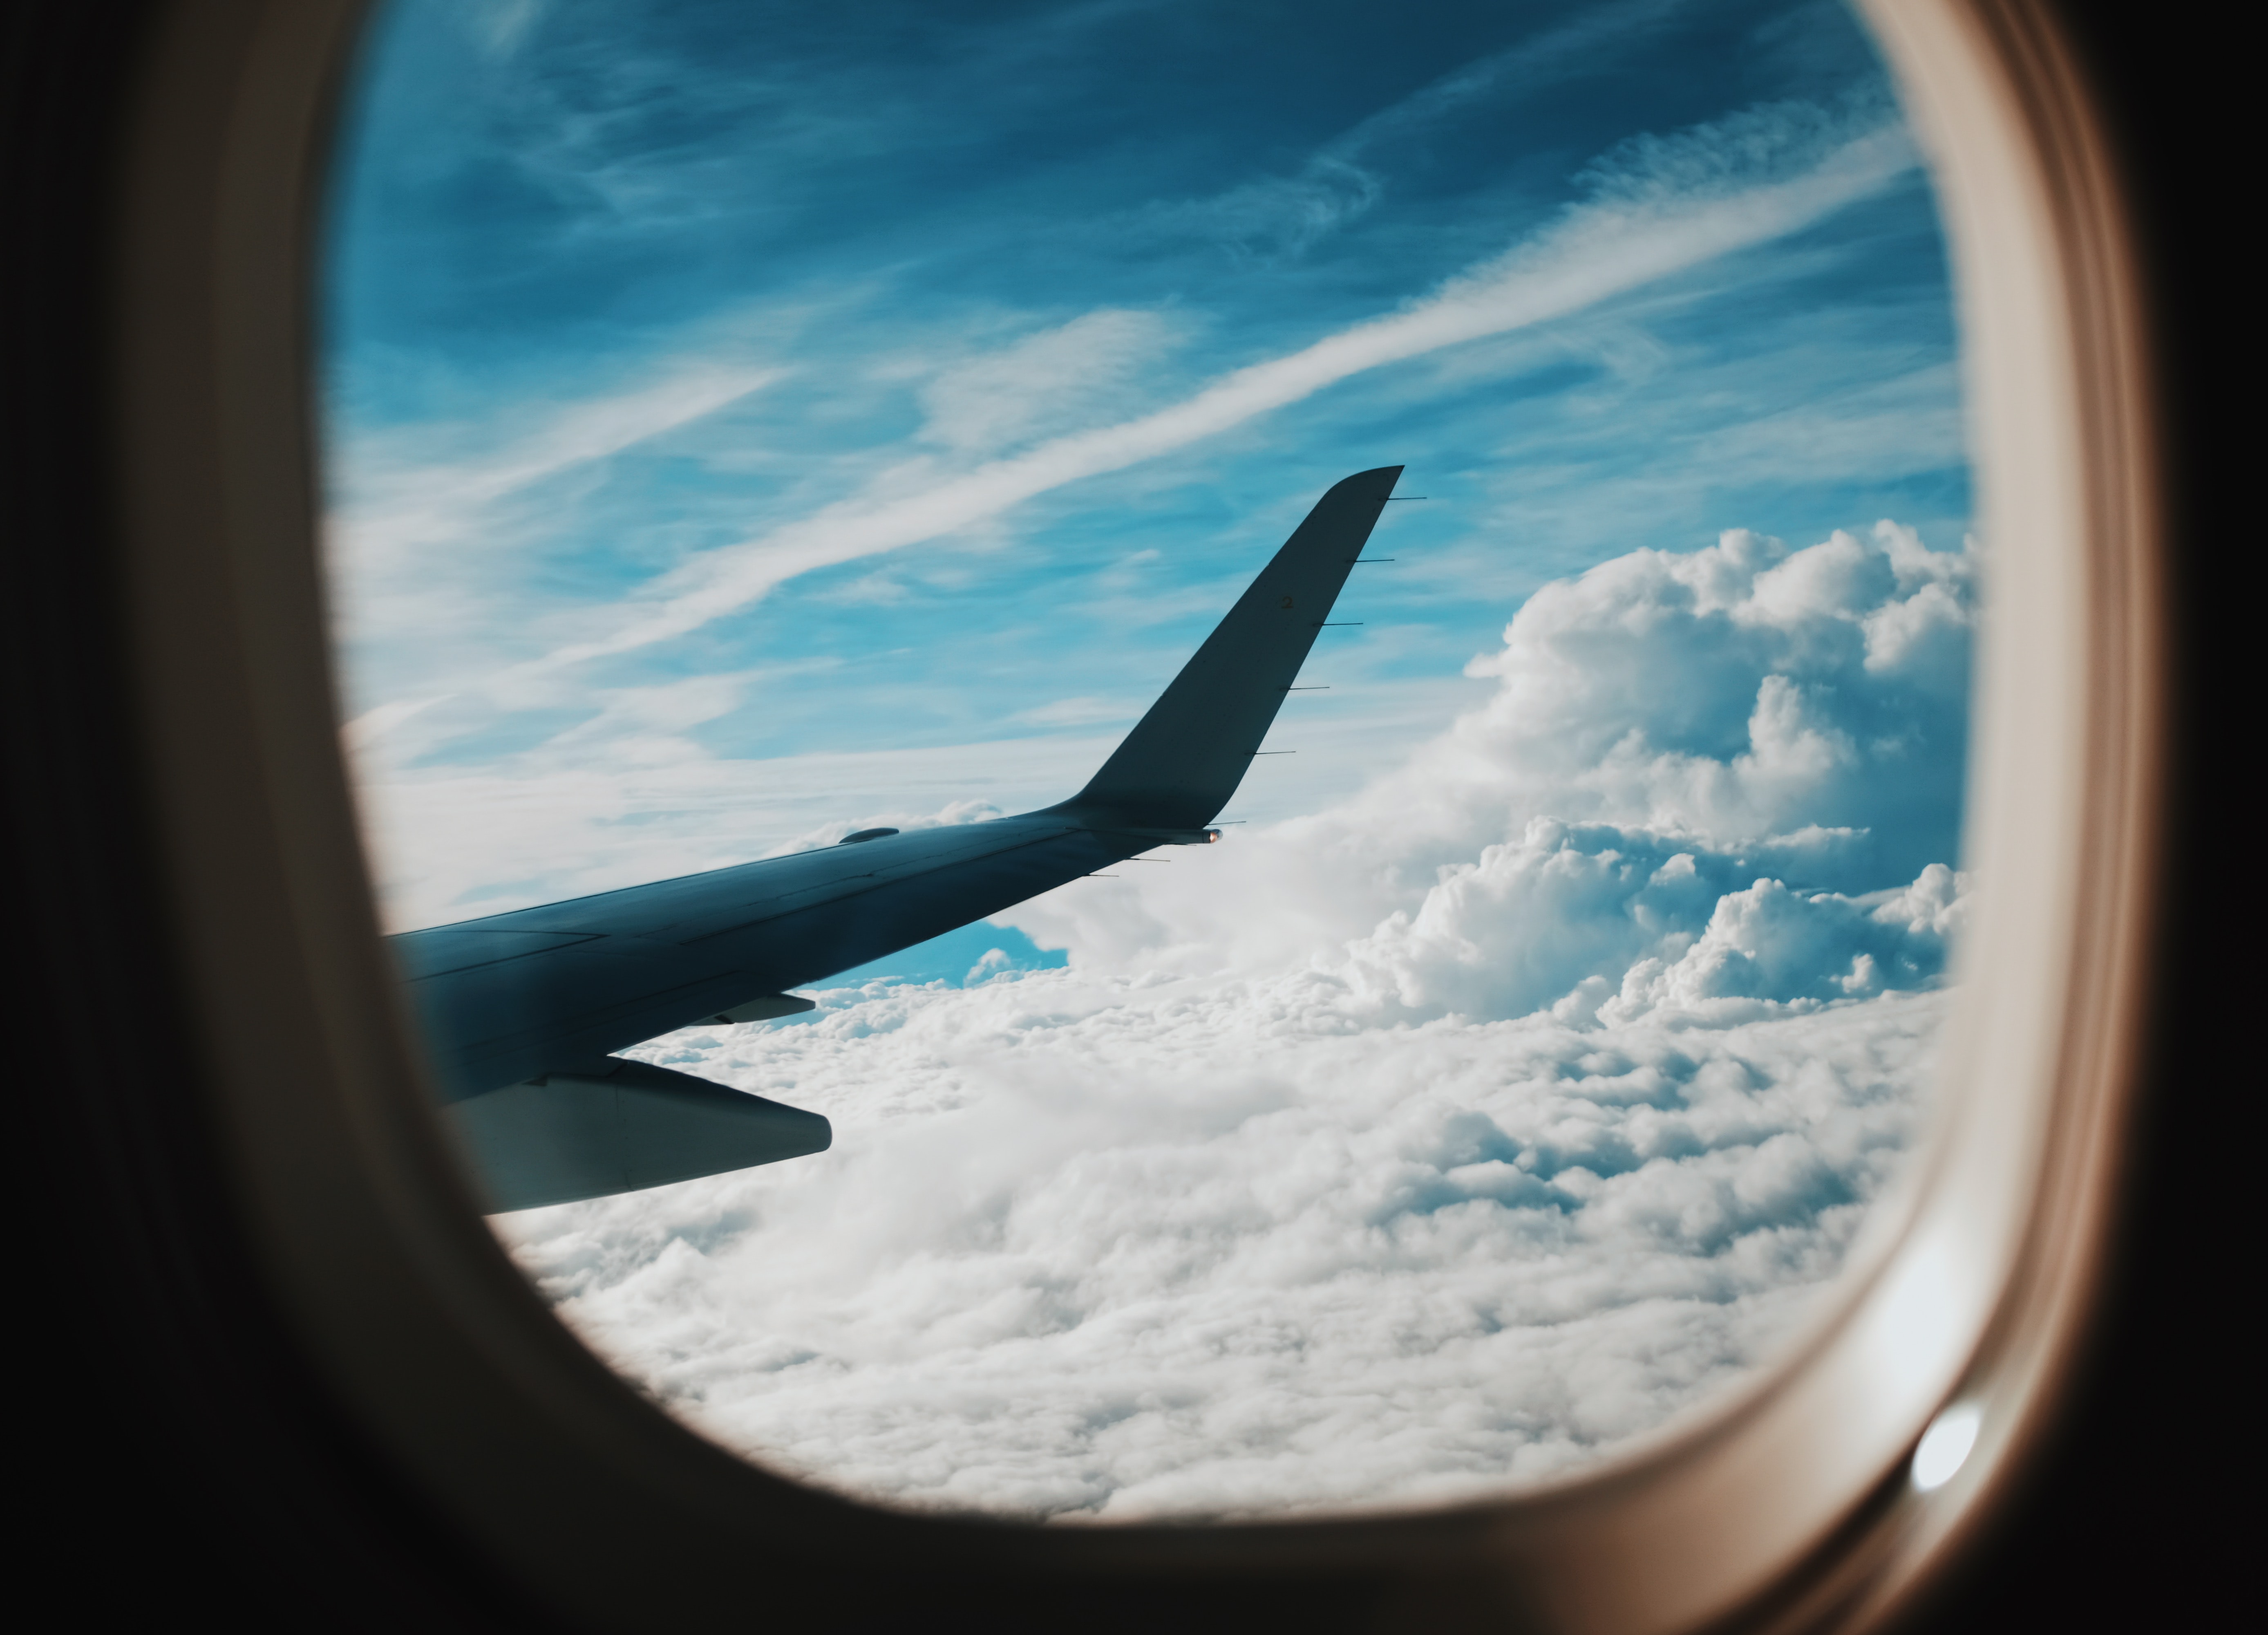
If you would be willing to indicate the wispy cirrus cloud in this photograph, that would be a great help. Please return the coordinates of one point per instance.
(1657, 210)
(391, 518)
(1285, 216)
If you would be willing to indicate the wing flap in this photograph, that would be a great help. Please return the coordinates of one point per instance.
(621, 1127)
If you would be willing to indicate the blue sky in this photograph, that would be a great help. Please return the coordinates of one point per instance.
(738, 349)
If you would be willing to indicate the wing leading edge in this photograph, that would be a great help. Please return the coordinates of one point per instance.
(523, 1010)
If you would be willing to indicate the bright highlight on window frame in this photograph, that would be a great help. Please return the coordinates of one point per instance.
(1945, 1447)
(1973, 1290)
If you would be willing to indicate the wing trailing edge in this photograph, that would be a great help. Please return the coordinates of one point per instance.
(621, 1126)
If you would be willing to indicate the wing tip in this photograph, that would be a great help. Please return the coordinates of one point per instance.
(1377, 478)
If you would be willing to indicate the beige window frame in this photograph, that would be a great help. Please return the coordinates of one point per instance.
(1792, 1508)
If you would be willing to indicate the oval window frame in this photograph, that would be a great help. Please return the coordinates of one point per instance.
(1790, 1503)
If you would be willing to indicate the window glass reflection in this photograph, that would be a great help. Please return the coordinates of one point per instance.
(750, 425)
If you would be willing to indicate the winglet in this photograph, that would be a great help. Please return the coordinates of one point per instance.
(1184, 758)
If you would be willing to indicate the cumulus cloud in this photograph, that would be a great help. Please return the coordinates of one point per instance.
(1800, 715)
(1567, 916)
(1451, 1135)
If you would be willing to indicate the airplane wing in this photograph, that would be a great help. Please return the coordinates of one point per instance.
(522, 1010)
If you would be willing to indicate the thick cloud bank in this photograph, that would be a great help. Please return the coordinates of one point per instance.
(1449, 1137)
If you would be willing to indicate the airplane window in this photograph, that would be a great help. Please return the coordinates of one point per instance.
(1160, 762)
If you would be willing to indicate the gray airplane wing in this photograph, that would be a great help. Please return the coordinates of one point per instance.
(522, 1010)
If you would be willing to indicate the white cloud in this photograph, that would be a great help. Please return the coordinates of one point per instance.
(1450, 1137)
(1046, 381)
(1565, 916)
(871, 590)
(1727, 703)
(1279, 217)
(1083, 711)
(412, 535)
(502, 25)
(406, 493)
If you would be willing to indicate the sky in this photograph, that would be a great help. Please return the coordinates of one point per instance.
(746, 425)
